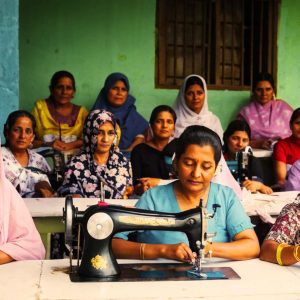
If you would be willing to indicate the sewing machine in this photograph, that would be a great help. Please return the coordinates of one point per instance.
(102, 221)
(241, 166)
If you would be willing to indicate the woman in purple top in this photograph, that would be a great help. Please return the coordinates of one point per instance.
(267, 116)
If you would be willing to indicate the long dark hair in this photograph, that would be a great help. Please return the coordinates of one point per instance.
(236, 125)
(159, 109)
(263, 77)
(295, 115)
(60, 74)
(201, 136)
(12, 119)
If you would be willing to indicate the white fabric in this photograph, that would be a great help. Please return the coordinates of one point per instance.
(186, 117)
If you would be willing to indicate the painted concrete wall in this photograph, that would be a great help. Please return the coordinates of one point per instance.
(96, 37)
(9, 59)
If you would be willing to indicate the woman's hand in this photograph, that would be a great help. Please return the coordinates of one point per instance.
(44, 189)
(145, 184)
(179, 251)
(129, 191)
(255, 186)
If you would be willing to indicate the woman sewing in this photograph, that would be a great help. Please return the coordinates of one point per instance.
(100, 161)
(236, 138)
(197, 155)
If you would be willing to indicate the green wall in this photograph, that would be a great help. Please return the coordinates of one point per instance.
(94, 38)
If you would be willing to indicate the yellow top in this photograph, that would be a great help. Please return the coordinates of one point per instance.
(47, 129)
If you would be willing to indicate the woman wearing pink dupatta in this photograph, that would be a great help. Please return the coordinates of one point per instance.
(267, 117)
(19, 239)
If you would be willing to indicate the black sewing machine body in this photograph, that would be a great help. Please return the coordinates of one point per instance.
(101, 222)
(241, 167)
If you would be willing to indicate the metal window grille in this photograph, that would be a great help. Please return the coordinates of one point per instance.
(225, 41)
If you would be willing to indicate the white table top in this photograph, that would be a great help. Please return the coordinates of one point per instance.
(47, 280)
(53, 207)
(262, 152)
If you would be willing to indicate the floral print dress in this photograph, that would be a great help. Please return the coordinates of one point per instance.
(24, 178)
(84, 176)
(287, 226)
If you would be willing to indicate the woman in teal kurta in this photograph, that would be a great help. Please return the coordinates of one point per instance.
(197, 155)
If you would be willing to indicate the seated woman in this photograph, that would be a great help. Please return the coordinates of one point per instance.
(236, 138)
(115, 97)
(99, 162)
(267, 116)
(24, 168)
(191, 107)
(281, 245)
(59, 121)
(147, 159)
(197, 155)
(287, 153)
(19, 239)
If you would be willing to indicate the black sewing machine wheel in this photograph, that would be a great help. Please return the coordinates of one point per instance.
(68, 213)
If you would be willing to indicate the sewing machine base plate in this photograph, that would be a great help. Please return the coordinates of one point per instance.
(159, 272)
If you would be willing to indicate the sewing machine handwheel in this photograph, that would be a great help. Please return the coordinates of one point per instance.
(69, 214)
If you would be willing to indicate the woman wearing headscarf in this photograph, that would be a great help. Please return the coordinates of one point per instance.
(115, 97)
(100, 161)
(191, 108)
(19, 239)
(267, 116)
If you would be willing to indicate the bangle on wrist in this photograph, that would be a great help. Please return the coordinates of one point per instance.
(142, 251)
(279, 249)
(207, 247)
(295, 252)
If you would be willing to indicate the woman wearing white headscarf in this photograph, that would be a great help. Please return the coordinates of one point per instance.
(19, 239)
(191, 108)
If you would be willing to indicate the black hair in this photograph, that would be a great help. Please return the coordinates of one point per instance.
(201, 136)
(159, 109)
(193, 80)
(12, 119)
(295, 115)
(263, 77)
(236, 125)
(58, 75)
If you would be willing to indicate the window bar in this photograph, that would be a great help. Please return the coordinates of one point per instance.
(194, 39)
(251, 44)
(217, 42)
(175, 42)
(207, 42)
(184, 42)
(233, 48)
(242, 45)
(223, 41)
(203, 46)
(260, 69)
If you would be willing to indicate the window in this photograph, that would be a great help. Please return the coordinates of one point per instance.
(225, 41)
